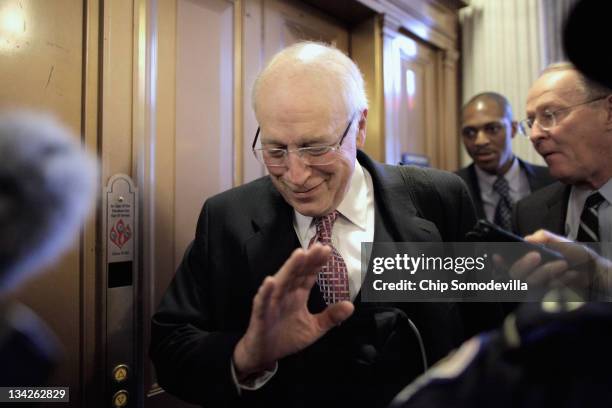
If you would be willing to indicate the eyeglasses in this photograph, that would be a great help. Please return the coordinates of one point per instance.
(491, 129)
(311, 155)
(548, 119)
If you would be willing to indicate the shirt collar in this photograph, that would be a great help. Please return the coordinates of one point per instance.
(606, 191)
(351, 207)
(579, 195)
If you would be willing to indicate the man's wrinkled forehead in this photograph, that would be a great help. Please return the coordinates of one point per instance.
(297, 97)
(564, 84)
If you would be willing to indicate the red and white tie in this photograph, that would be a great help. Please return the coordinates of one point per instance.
(333, 277)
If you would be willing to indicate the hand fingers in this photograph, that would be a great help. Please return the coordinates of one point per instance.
(289, 272)
(575, 253)
(334, 314)
(499, 262)
(525, 265)
(298, 270)
(263, 299)
(298, 274)
(546, 273)
(543, 236)
(308, 282)
(316, 257)
(573, 279)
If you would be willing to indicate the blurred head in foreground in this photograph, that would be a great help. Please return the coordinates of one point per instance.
(47, 186)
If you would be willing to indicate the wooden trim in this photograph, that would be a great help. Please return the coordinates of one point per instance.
(426, 20)
(238, 101)
(90, 256)
(366, 51)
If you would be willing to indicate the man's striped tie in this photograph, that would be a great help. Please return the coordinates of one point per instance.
(503, 211)
(589, 222)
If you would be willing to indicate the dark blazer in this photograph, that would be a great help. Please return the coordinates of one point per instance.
(245, 234)
(537, 177)
(546, 208)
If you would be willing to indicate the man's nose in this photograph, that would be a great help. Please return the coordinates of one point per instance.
(537, 133)
(297, 171)
(482, 138)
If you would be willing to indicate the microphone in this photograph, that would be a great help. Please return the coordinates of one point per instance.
(47, 187)
(587, 23)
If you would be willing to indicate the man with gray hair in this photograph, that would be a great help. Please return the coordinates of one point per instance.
(253, 316)
(569, 121)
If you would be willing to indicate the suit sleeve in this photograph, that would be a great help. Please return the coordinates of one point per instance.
(521, 225)
(515, 218)
(467, 211)
(477, 317)
(191, 359)
(458, 207)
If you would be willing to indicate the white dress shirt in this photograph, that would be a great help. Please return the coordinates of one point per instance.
(517, 180)
(578, 197)
(354, 225)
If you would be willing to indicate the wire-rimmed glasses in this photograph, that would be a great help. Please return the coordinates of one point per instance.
(548, 119)
(319, 155)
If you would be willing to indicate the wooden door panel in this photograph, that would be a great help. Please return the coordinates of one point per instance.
(411, 85)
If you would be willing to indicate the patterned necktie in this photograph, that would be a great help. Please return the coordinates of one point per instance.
(589, 222)
(333, 276)
(503, 211)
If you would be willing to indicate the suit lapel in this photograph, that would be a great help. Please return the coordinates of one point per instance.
(272, 243)
(554, 219)
(475, 190)
(537, 177)
(532, 177)
(397, 216)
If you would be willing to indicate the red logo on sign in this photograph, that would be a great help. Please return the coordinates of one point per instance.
(120, 233)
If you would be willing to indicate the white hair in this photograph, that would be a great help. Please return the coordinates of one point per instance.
(331, 68)
(47, 186)
(590, 88)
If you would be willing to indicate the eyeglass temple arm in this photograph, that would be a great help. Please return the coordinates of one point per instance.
(255, 140)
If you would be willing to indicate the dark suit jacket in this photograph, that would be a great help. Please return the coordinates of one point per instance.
(546, 208)
(245, 234)
(537, 177)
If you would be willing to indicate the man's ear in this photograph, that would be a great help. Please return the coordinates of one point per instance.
(361, 131)
(514, 126)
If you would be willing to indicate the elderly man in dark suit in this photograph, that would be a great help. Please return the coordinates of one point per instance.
(265, 309)
(569, 121)
(496, 179)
